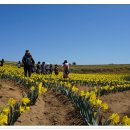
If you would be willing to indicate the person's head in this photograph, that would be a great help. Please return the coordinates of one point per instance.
(55, 64)
(43, 63)
(27, 52)
(65, 61)
(39, 62)
(50, 65)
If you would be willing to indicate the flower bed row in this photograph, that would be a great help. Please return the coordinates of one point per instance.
(91, 108)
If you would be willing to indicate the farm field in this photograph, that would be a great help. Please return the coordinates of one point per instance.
(98, 98)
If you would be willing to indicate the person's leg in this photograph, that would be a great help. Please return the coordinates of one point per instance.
(29, 71)
(25, 71)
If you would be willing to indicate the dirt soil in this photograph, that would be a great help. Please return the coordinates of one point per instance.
(84, 88)
(9, 90)
(118, 103)
(51, 109)
(55, 109)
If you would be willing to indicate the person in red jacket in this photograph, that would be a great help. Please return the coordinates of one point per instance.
(28, 62)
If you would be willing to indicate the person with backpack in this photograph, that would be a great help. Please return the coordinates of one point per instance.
(56, 70)
(28, 62)
(65, 69)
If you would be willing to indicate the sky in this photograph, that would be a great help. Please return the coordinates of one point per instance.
(85, 34)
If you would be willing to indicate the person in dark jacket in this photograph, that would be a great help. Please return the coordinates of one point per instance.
(28, 62)
(51, 69)
(39, 67)
(56, 70)
(47, 68)
(2, 62)
(43, 68)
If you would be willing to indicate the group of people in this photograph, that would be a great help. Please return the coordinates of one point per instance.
(45, 68)
(30, 67)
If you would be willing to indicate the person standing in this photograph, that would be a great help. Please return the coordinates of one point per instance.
(19, 64)
(43, 68)
(51, 69)
(2, 62)
(47, 68)
(56, 70)
(65, 69)
(28, 62)
(39, 67)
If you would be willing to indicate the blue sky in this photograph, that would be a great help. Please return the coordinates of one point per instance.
(86, 34)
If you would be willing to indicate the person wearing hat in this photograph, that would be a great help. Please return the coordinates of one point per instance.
(65, 69)
(28, 62)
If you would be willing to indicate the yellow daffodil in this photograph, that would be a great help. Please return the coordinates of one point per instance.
(87, 94)
(115, 118)
(3, 119)
(82, 93)
(75, 89)
(126, 121)
(27, 108)
(40, 84)
(104, 106)
(11, 102)
(25, 100)
(22, 109)
(32, 88)
(6, 110)
(98, 102)
(92, 102)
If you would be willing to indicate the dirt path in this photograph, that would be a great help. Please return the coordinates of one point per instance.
(51, 109)
(9, 90)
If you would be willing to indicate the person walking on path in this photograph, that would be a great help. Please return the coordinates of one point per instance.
(28, 62)
(65, 69)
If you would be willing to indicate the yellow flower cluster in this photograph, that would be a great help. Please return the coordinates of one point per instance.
(3, 119)
(126, 121)
(115, 119)
(11, 102)
(25, 100)
(41, 89)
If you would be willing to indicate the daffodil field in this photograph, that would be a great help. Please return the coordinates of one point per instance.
(91, 107)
